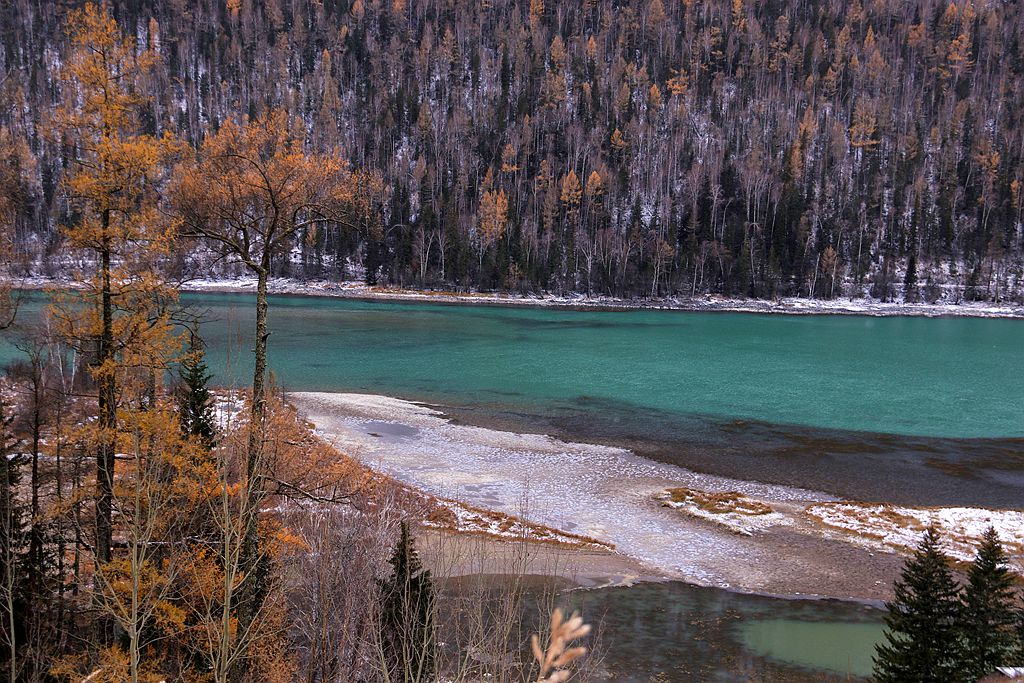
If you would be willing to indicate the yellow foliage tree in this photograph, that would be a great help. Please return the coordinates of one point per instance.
(508, 159)
(864, 125)
(572, 191)
(493, 218)
(249, 192)
(595, 186)
(121, 316)
(654, 97)
(618, 141)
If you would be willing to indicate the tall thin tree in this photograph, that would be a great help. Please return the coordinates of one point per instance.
(249, 192)
(111, 192)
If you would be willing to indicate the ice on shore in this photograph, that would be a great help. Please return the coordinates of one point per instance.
(602, 492)
(900, 528)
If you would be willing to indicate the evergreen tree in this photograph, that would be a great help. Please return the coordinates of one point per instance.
(922, 636)
(407, 634)
(195, 404)
(988, 617)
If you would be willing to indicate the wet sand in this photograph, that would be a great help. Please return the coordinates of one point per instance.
(602, 492)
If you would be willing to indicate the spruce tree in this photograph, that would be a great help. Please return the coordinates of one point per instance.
(988, 618)
(407, 633)
(195, 403)
(922, 635)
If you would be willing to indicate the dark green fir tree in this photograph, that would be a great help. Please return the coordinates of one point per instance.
(195, 403)
(988, 617)
(922, 638)
(407, 632)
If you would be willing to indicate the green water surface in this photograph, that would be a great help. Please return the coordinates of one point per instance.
(937, 377)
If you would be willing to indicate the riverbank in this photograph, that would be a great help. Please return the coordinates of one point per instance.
(608, 494)
(352, 289)
(705, 303)
(663, 521)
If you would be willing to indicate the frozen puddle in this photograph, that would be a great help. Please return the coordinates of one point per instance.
(602, 492)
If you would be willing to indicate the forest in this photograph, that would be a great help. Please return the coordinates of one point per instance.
(155, 527)
(635, 148)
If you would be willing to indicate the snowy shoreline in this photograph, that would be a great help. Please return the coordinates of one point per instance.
(764, 539)
(707, 303)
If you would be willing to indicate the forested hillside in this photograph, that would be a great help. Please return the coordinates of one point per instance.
(827, 148)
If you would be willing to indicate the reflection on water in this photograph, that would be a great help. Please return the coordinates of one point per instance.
(675, 632)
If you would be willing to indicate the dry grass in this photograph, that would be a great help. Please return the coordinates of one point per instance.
(718, 503)
(450, 515)
(554, 660)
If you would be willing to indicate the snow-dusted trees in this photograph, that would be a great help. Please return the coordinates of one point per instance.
(884, 133)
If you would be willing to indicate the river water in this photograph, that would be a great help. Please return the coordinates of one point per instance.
(926, 411)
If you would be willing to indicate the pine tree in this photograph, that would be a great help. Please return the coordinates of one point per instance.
(195, 403)
(922, 636)
(407, 634)
(988, 617)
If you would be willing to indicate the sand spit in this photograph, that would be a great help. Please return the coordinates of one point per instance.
(609, 494)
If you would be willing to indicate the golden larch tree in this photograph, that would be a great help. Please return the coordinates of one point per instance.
(120, 316)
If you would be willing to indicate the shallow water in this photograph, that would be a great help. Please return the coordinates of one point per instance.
(687, 633)
(678, 633)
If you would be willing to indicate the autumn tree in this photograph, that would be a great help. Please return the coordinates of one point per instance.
(249, 192)
(123, 308)
(154, 496)
(493, 217)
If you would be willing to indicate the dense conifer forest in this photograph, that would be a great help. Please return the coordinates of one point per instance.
(635, 148)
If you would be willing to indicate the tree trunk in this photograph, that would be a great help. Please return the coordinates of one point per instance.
(107, 407)
(254, 590)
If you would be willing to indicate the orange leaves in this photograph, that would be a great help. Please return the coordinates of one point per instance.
(572, 191)
(508, 159)
(679, 83)
(536, 15)
(493, 216)
(618, 141)
(864, 125)
(595, 186)
(654, 97)
(305, 466)
(252, 187)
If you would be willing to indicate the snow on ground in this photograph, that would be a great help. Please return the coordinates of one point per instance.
(734, 511)
(709, 302)
(680, 524)
(228, 408)
(788, 305)
(900, 528)
(595, 491)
